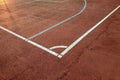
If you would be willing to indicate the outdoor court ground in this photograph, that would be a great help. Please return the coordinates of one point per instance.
(59, 40)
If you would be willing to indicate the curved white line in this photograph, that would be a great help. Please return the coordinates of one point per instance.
(55, 47)
(84, 7)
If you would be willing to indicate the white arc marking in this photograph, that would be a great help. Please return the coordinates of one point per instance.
(84, 7)
(56, 47)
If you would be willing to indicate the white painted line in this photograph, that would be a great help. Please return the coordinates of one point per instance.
(52, 1)
(59, 56)
(89, 31)
(55, 47)
(29, 41)
(77, 14)
(45, 1)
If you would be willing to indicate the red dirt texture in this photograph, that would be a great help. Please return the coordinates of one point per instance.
(96, 57)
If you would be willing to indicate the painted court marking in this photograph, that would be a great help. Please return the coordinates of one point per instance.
(57, 47)
(40, 46)
(68, 48)
(63, 21)
(85, 34)
(46, 1)
(29, 41)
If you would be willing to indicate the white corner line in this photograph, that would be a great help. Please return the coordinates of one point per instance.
(59, 23)
(89, 31)
(56, 47)
(60, 56)
(30, 42)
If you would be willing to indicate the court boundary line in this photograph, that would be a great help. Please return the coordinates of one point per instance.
(38, 45)
(87, 32)
(30, 41)
(71, 45)
(61, 22)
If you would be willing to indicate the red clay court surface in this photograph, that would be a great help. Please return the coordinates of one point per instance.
(59, 40)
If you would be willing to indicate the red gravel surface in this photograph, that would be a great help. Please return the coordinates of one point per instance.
(96, 57)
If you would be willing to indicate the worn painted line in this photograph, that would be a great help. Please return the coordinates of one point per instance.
(89, 31)
(45, 1)
(29, 41)
(77, 14)
(51, 1)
